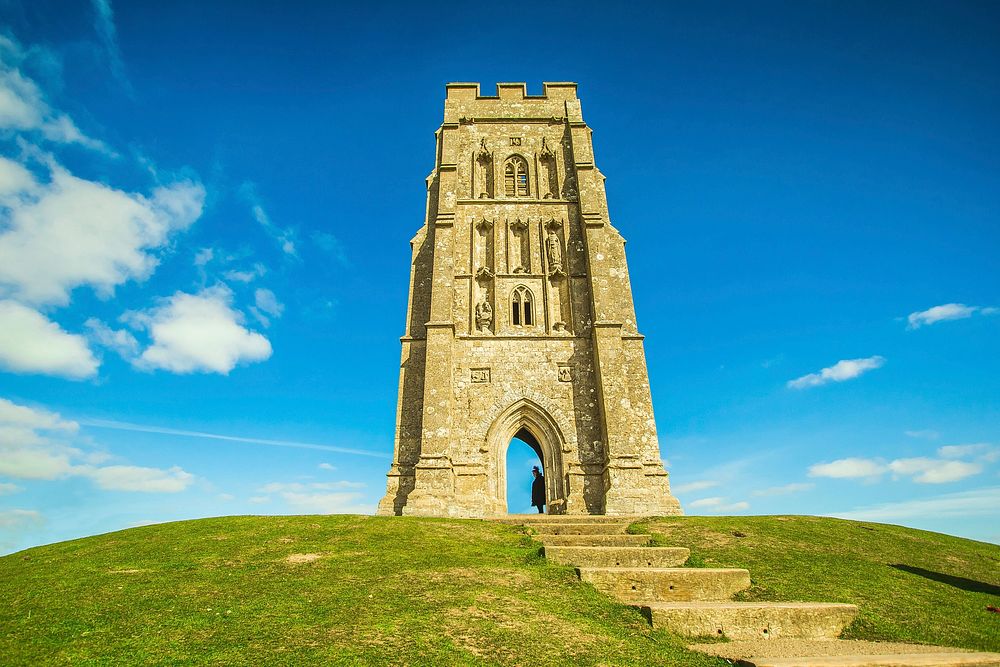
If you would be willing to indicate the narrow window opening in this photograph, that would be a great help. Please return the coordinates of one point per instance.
(520, 307)
(515, 177)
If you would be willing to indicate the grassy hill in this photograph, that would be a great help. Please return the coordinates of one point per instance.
(372, 590)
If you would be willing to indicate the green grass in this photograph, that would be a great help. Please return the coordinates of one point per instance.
(383, 591)
(411, 591)
(911, 585)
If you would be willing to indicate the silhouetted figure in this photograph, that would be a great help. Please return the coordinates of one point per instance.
(538, 490)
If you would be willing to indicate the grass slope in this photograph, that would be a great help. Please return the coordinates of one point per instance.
(911, 585)
(373, 590)
(251, 590)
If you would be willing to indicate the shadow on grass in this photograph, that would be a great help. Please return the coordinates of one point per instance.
(958, 582)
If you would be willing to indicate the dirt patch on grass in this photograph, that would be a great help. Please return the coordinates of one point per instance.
(299, 559)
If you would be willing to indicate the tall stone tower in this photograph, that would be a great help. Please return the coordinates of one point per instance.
(521, 322)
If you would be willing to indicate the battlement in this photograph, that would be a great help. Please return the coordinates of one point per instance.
(465, 103)
(552, 90)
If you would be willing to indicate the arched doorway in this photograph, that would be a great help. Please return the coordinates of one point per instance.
(531, 424)
(523, 453)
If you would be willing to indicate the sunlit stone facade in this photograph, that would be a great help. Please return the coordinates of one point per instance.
(521, 322)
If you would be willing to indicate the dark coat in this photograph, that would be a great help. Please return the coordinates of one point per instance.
(538, 491)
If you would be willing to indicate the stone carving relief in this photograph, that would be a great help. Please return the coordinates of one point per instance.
(559, 295)
(553, 248)
(484, 316)
(565, 374)
(483, 183)
(480, 375)
(484, 256)
(548, 178)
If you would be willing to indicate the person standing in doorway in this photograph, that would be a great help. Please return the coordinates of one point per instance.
(538, 490)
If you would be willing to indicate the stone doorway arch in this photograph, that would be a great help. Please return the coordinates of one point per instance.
(531, 423)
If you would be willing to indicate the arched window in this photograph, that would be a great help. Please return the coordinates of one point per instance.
(521, 314)
(515, 176)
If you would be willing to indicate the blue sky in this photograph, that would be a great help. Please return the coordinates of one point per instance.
(205, 212)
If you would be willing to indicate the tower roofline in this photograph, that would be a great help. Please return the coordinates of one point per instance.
(551, 90)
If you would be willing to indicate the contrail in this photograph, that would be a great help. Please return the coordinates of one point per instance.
(125, 426)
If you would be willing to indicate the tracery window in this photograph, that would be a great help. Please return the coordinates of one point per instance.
(521, 314)
(515, 176)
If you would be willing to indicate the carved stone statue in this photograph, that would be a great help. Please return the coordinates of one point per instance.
(553, 248)
(484, 315)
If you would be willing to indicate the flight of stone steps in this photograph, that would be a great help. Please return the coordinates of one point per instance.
(696, 602)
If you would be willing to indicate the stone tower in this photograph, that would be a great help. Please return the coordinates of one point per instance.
(521, 322)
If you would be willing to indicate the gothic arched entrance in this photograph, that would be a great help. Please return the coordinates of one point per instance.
(529, 422)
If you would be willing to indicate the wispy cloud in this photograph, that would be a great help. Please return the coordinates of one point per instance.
(926, 434)
(982, 451)
(850, 468)
(945, 312)
(699, 485)
(285, 237)
(40, 445)
(845, 369)
(795, 487)
(718, 505)
(104, 25)
(978, 502)
(124, 426)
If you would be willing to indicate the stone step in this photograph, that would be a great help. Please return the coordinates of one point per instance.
(578, 528)
(752, 620)
(844, 653)
(618, 556)
(643, 585)
(526, 519)
(622, 540)
(952, 659)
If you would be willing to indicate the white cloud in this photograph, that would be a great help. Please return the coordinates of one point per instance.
(327, 466)
(934, 471)
(71, 232)
(31, 343)
(136, 478)
(845, 369)
(699, 485)
(981, 450)
(226, 497)
(847, 468)
(198, 333)
(921, 470)
(978, 502)
(38, 444)
(119, 340)
(944, 312)
(706, 502)
(6, 488)
(795, 487)
(259, 500)
(20, 518)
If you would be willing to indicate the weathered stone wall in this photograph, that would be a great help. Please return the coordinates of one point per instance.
(521, 321)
